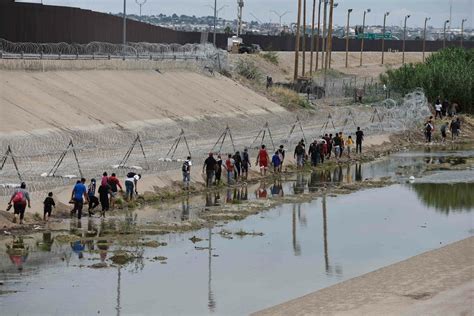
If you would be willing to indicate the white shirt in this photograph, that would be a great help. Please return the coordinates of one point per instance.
(132, 179)
(438, 107)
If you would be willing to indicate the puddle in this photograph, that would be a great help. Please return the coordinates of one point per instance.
(242, 266)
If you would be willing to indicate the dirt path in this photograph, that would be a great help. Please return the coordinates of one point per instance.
(437, 282)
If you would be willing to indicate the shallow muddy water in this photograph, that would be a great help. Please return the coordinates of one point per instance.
(304, 247)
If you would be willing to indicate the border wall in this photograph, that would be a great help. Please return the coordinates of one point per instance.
(37, 23)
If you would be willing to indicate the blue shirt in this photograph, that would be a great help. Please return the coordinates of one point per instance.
(79, 190)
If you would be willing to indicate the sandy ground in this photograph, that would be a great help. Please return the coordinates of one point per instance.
(371, 66)
(31, 101)
(439, 282)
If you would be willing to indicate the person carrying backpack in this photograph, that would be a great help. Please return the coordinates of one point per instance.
(238, 165)
(19, 199)
(186, 169)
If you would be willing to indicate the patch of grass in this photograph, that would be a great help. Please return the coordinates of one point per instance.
(249, 70)
(271, 57)
(289, 98)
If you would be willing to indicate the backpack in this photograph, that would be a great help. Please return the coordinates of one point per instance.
(428, 127)
(131, 174)
(185, 167)
(18, 198)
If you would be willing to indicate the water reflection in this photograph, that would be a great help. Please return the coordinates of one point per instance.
(296, 244)
(18, 252)
(277, 188)
(446, 197)
(211, 303)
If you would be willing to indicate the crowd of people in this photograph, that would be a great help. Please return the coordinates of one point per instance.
(236, 165)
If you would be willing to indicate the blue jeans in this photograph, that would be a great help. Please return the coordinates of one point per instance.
(230, 177)
(186, 178)
(129, 185)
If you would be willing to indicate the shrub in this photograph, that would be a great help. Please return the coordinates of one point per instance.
(448, 73)
(248, 69)
(289, 98)
(271, 57)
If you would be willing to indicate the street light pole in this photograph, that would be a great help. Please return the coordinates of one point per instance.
(462, 30)
(444, 33)
(140, 4)
(347, 37)
(318, 35)
(383, 35)
(363, 36)
(424, 38)
(404, 38)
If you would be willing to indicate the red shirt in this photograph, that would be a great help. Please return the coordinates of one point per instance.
(263, 158)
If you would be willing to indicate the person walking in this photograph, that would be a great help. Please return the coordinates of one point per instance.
(438, 109)
(19, 199)
(281, 152)
(263, 160)
(330, 143)
(210, 166)
(115, 185)
(349, 144)
(186, 169)
(245, 164)
(229, 167)
(78, 195)
(276, 162)
(444, 129)
(342, 144)
(48, 204)
(93, 200)
(299, 155)
(238, 165)
(105, 191)
(315, 153)
(428, 131)
(337, 145)
(359, 140)
(131, 185)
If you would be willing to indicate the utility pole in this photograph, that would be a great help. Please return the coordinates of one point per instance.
(124, 35)
(329, 44)
(347, 37)
(140, 3)
(424, 38)
(312, 39)
(297, 41)
(332, 27)
(363, 36)
(323, 50)
(215, 23)
(318, 35)
(304, 39)
(462, 30)
(383, 35)
(444, 32)
(404, 38)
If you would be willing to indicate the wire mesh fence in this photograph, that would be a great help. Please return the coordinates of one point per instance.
(105, 149)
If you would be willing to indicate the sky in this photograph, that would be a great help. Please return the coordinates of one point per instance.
(438, 10)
